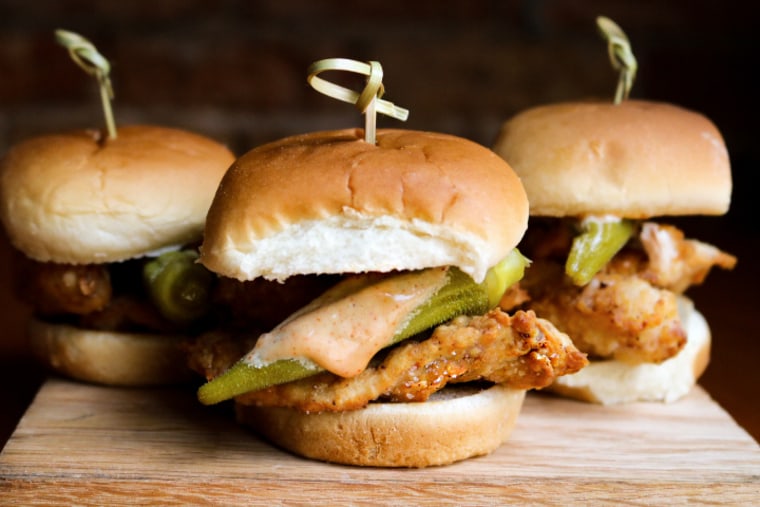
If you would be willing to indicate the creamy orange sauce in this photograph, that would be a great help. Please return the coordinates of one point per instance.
(342, 329)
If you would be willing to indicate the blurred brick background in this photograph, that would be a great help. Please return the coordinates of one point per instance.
(236, 70)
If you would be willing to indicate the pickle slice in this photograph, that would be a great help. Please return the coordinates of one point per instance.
(595, 246)
(178, 286)
(241, 378)
(459, 296)
(506, 273)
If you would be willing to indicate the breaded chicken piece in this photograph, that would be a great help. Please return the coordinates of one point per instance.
(629, 310)
(523, 352)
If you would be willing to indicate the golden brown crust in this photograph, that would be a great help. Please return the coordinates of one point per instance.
(638, 159)
(74, 198)
(521, 352)
(617, 315)
(109, 358)
(611, 382)
(330, 202)
(436, 432)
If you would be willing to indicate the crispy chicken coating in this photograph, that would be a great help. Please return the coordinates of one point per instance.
(56, 289)
(93, 296)
(629, 310)
(523, 351)
(676, 263)
(614, 315)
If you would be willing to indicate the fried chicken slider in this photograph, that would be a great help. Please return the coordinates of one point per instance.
(417, 234)
(602, 180)
(85, 213)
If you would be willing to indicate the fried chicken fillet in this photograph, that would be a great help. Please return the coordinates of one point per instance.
(629, 310)
(523, 352)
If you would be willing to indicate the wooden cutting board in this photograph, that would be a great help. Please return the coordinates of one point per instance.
(85, 445)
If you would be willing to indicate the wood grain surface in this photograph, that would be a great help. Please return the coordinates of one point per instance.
(86, 445)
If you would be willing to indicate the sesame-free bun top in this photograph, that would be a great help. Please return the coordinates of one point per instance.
(79, 197)
(329, 202)
(638, 159)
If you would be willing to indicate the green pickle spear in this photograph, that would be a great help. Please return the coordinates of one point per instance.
(178, 285)
(594, 248)
(459, 296)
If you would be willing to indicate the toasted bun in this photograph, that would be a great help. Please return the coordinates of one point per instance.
(109, 358)
(455, 424)
(614, 382)
(329, 202)
(637, 160)
(76, 198)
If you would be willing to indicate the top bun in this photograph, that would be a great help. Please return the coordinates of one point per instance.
(637, 159)
(329, 202)
(79, 198)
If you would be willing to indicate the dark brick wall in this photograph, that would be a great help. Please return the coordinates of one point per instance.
(236, 70)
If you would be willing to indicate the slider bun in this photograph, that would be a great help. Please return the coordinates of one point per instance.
(610, 382)
(328, 202)
(109, 358)
(456, 423)
(637, 159)
(77, 198)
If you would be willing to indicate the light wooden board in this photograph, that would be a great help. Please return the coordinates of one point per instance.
(87, 445)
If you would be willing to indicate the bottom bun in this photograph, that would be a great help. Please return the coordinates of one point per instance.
(456, 423)
(110, 358)
(615, 382)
